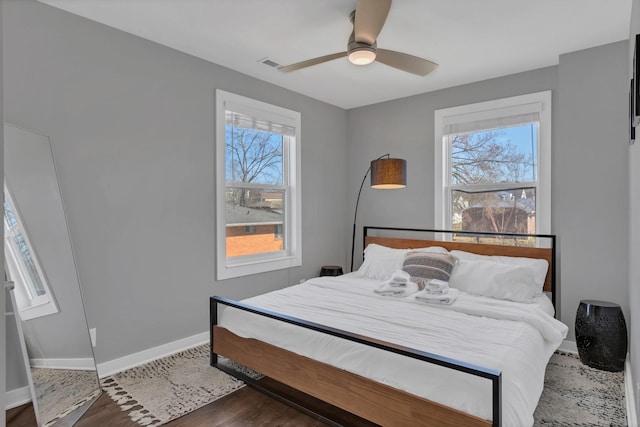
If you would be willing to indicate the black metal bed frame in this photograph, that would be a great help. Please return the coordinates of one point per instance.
(494, 376)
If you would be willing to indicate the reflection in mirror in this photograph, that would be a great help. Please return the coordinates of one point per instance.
(33, 296)
(46, 296)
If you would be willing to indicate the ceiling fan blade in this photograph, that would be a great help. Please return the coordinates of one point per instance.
(405, 62)
(310, 62)
(370, 17)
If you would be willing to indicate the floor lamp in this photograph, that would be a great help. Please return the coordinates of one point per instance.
(386, 174)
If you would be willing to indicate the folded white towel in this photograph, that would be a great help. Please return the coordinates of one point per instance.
(446, 299)
(440, 291)
(398, 279)
(407, 289)
(436, 284)
(400, 276)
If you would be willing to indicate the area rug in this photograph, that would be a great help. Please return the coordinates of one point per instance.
(61, 391)
(577, 395)
(165, 389)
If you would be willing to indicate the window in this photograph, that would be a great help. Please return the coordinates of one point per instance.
(258, 186)
(33, 294)
(493, 165)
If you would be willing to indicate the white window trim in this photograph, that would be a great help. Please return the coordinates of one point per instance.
(28, 307)
(259, 263)
(441, 159)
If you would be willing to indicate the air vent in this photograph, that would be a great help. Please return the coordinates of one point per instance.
(270, 63)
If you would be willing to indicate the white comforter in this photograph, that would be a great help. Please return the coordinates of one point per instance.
(517, 339)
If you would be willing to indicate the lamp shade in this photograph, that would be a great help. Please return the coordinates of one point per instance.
(388, 173)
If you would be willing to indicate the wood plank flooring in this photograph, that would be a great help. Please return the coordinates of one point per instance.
(244, 407)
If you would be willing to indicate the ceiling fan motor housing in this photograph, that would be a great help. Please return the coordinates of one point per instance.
(361, 53)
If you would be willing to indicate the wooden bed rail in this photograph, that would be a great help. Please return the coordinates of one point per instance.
(236, 348)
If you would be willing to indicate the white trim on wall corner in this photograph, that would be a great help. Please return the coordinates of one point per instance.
(122, 363)
(630, 399)
(17, 397)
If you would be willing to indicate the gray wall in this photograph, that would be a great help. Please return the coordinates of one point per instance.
(589, 169)
(634, 229)
(131, 124)
(16, 374)
(590, 177)
(3, 365)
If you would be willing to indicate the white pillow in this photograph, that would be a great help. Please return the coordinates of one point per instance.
(380, 262)
(539, 266)
(494, 279)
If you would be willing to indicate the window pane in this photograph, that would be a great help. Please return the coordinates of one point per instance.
(493, 156)
(33, 278)
(34, 284)
(253, 156)
(254, 219)
(9, 217)
(511, 211)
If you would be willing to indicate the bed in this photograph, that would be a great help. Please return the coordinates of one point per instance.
(479, 361)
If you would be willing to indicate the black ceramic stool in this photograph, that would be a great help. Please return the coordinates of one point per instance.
(331, 270)
(601, 335)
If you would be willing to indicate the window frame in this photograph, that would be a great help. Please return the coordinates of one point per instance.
(28, 306)
(442, 157)
(291, 256)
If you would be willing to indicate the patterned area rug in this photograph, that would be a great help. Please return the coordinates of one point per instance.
(167, 388)
(577, 395)
(62, 391)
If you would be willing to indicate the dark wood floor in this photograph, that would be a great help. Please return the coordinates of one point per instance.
(244, 407)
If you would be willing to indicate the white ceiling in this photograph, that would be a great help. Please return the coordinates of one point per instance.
(472, 40)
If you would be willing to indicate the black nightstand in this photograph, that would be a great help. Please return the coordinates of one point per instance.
(601, 335)
(331, 270)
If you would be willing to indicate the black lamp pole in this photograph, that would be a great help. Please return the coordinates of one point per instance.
(355, 215)
(385, 174)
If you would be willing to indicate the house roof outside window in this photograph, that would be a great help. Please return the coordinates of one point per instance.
(242, 216)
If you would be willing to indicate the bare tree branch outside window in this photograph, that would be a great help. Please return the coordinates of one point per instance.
(489, 157)
(253, 157)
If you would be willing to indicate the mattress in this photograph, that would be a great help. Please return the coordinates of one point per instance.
(515, 338)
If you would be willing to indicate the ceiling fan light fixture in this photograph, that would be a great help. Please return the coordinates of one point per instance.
(362, 56)
(362, 45)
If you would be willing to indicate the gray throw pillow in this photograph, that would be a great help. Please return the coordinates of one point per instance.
(424, 266)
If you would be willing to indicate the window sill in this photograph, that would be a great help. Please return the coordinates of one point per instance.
(246, 268)
(40, 310)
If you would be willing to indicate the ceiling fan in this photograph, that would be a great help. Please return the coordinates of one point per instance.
(362, 47)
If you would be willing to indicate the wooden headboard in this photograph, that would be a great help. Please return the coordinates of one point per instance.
(478, 248)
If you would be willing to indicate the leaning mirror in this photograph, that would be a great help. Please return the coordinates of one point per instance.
(46, 297)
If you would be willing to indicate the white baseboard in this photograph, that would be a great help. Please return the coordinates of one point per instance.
(17, 397)
(568, 347)
(630, 400)
(84, 364)
(22, 395)
(122, 363)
